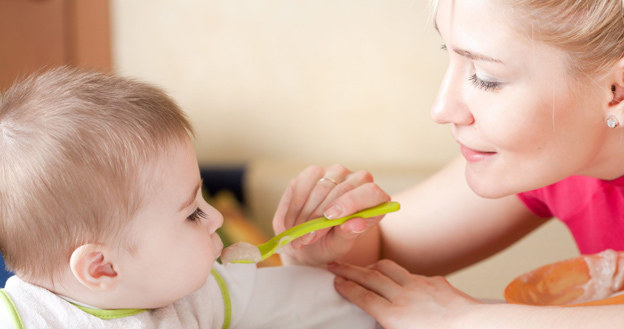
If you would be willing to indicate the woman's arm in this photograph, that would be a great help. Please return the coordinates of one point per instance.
(444, 226)
(399, 299)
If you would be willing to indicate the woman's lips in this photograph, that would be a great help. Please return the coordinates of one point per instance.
(474, 155)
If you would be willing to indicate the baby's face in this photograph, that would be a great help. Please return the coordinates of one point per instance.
(173, 237)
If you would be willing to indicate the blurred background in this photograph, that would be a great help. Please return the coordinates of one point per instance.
(271, 87)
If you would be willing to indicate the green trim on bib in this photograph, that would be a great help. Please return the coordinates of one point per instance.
(17, 320)
(116, 314)
(110, 314)
(227, 302)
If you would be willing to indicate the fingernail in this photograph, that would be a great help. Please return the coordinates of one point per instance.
(333, 212)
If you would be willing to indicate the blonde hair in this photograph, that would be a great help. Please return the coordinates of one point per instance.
(73, 144)
(590, 32)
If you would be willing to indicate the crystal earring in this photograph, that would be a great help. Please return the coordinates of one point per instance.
(612, 121)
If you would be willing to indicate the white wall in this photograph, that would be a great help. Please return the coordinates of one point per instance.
(323, 81)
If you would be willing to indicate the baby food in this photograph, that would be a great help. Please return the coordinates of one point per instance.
(241, 251)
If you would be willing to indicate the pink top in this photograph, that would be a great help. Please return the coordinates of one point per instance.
(593, 210)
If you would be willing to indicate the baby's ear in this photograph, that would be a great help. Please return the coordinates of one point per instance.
(93, 266)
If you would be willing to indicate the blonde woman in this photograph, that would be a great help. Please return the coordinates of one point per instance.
(533, 93)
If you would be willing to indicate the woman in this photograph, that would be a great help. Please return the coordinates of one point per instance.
(533, 93)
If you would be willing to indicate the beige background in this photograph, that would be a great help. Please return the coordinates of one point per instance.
(277, 84)
(346, 81)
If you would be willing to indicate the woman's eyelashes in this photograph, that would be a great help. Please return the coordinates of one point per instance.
(484, 84)
(197, 215)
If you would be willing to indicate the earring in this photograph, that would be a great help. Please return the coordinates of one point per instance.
(612, 121)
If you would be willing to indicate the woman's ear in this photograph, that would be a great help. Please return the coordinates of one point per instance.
(614, 109)
(618, 95)
(92, 265)
(617, 84)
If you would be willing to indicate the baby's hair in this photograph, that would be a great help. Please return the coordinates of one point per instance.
(73, 144)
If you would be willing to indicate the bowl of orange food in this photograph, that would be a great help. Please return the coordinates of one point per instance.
(596, 279)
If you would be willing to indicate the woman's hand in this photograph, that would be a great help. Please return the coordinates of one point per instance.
(399, 299)
(332, 192)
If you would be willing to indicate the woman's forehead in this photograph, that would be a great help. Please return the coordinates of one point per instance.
(478, 27)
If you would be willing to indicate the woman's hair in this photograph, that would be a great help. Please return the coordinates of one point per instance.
(73, 146)
(591, 32)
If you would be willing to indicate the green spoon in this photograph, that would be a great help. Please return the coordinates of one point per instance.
(243, 252)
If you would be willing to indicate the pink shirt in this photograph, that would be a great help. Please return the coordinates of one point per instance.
(593, 210)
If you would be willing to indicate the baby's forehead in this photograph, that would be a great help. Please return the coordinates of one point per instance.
(171, 174)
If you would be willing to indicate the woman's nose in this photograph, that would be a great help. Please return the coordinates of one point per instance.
(449, 105)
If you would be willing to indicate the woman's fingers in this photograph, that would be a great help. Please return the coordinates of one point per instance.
(352, 181)
(300, 189)
(393, 271)
(369, 301)
(357, 186)
(369, 278)
(324, 187)
(397, 298)
(359, 198)
(365, 195)
(309, 195)
(306, 191)
(334, 192)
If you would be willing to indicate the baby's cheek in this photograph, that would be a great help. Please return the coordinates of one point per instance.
(217, 245)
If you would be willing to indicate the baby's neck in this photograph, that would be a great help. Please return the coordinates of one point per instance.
(75, 302)
(67, 287)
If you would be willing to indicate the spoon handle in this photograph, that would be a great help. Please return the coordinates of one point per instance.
(321, 223)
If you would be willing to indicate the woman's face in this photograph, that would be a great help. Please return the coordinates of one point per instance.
(519, 116)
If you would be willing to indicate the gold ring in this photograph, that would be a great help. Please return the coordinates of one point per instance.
(329, 180)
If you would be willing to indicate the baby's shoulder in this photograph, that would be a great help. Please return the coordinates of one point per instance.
(6, 314)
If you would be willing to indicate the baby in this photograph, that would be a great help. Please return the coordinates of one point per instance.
(102, 219)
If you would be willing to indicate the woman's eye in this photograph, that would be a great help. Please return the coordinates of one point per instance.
(197, 215)
(484, 84)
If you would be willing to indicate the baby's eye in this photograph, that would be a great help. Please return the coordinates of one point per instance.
(197, 215)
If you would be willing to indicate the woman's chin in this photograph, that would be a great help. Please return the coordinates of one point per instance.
(486, 188)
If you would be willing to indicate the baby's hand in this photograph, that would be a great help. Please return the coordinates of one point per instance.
(332, 192)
